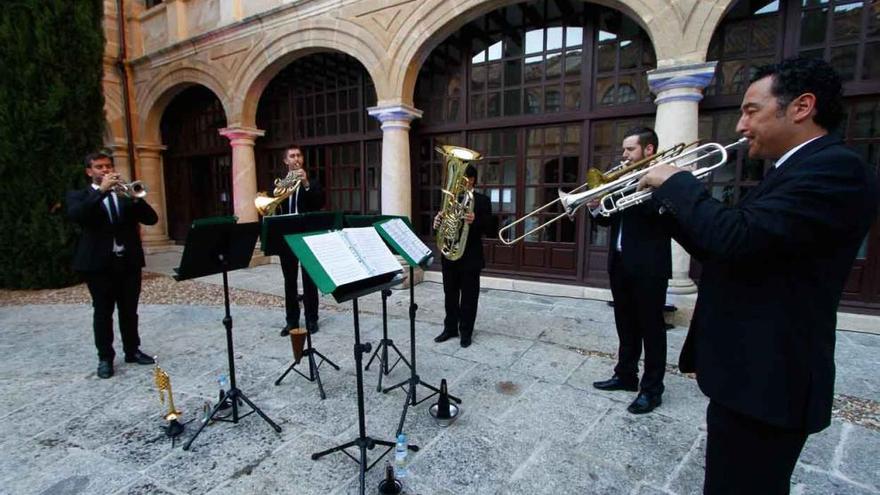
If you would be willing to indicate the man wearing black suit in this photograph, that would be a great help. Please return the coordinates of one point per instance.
(761, 339)
(308, 197)
(639, 267)
(461, 278)
(110, 257)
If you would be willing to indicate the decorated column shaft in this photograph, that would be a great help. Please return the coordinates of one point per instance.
(679, 90)
(244, 171)
(396, 167)
(150, 171)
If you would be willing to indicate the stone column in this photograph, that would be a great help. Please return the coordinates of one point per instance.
(679, 90)
(120, 159)
(396, 169)
(150, 171)
(244, 171)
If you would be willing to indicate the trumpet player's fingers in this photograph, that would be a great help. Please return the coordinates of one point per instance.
(656, 176)
(437, 219)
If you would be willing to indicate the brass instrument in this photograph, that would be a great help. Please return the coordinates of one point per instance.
(284, 188)
(163, 384)
(136, 189)
(456, 202)
(618, 189)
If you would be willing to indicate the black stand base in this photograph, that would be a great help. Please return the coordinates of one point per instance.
(314, 375)
(233, 396)
(413, 381)
(362, 442)
(174, 428)
(385, 344)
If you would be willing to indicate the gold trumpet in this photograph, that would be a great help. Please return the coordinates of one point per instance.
(284, 188)
(618, 189)
(163, 384)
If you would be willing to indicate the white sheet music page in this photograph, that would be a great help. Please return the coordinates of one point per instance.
(406, 239)
(335, 256)
(373, 251)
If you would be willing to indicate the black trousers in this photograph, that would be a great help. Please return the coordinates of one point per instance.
(745, 455)
(117, 287)
(290, 269)
(638, 315)
(461, 288)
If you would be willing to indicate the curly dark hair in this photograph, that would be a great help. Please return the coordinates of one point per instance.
(795, 76)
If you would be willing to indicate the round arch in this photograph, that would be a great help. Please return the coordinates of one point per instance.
(262, 66)
(169, 84)
(678, 36)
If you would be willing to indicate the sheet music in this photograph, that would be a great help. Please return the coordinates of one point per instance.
(406, 239)
(335, 255)
(373, 251)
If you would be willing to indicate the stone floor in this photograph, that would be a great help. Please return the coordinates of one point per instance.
(531, 422)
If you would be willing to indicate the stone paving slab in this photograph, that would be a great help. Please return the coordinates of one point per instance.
(531, 421)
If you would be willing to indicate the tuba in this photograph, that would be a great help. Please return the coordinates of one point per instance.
(284, 188)
(456, 201)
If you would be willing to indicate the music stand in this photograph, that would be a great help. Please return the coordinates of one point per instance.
(385, 343)
(273, 232)
(414, 380)
(352, 292)
(218, 245)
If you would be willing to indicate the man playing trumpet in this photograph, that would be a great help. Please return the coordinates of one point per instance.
(110, 257)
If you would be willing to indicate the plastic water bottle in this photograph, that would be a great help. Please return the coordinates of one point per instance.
(400, 452)
(223, 382)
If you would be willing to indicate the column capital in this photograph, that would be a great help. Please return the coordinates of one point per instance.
(150, 149)
(397, 116)
(681, 82)
(241, 136)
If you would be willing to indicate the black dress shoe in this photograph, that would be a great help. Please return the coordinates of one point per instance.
(446, 335)
(465, 341)
(105, 369)
(616, 383)
(139, 358)
(644, 403)
(312, 326)
(285, 330)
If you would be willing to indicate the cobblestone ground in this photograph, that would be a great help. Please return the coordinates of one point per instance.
(531, 422)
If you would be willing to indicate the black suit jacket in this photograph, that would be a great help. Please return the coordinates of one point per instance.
(306, 201)
(762, 336)
(94, 250)
(646, 240)
(484, 224)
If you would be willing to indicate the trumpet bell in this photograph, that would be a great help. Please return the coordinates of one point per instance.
(137, 189)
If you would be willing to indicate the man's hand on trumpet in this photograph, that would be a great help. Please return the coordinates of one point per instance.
(657, 175)
(109, 182)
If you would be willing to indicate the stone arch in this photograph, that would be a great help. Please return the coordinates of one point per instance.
(168, 84)
(314, 37)
(679, 33)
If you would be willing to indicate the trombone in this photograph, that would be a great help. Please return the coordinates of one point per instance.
(617, 189)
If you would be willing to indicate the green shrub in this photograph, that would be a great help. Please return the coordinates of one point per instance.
(51, 115)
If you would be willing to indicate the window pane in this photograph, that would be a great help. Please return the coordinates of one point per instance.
(607, 57)
(494, 105)
(533, 69)
(535, 41)
(574, 36)
(813, 27)
(629, 54)
(532, 100)
(553, 65)
(847, 22)
(844, 60)
(511, 102)
(871, 67)
(573, 96)
(736, 39)
(572, 62)
(513, 72)
(494, 75)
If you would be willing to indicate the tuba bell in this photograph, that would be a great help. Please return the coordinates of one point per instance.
(284, 188)
(456, 201)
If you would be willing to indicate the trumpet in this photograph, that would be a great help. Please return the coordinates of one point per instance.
(618, 189)
(284, 188)
(136, 189)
